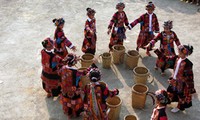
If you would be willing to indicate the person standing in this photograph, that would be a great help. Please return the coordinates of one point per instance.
(61, 40)
(148, 25)
(50, 64)
(181, 83)
(71, 91)
(162, 99)
(95, 107)
(89, 42)
(166, 58)
(117, 26)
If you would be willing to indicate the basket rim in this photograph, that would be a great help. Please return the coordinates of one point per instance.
(106, 56)
(140, 85)
(129, 115)
(87, 54)
(132, 55)
(113, 47)
(140, 74)
(114, 106)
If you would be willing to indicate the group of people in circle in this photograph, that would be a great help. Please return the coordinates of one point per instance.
(61, 78)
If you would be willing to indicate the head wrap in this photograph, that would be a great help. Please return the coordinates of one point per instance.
(162, 97)
(90, 11)
(70, 59)
(120, 4)
(59, 21)
(94, 74)
(186, 49)
(168, 24)
(47, 42)
(150, 5)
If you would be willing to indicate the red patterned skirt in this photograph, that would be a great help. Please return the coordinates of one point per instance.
(117, 37)
(50, 83)
(144, 38)
(179, 92)
(72, 106)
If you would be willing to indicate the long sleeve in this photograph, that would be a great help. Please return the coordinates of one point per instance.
(189, 77)
(156, 38)
(139, 20)
(112, 21)
(68, 43)
(157, 28)
(126, 20)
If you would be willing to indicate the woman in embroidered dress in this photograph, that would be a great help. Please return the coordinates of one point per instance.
(162, 99)
(61, 40)
(89, 43)
(117, 26)
(181, 85)
(50, 63)
(95, 97)
(166, 53)
(148, 25)
(71, 87)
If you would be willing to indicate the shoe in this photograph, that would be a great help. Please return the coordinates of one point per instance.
(175, 110)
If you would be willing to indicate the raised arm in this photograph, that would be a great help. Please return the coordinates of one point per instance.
(112, 21)
(139, 20)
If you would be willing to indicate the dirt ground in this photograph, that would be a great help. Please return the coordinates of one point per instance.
(25, 23)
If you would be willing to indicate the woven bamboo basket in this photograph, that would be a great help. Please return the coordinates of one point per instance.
(130, 117)
(140, 75)
(84, 79)
(139, 93)
(118, 54)
(87, 60)
(114, 103)
(106, 60)
(132, 57)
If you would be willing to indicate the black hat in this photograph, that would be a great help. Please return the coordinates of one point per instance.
(94, 75)
(59, 21)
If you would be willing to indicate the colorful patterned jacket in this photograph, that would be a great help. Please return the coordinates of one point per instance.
(118, 20)
(50, 62)
(101, 92)
(185, 74)
(61, 42)
(166, 42)
(144, 23)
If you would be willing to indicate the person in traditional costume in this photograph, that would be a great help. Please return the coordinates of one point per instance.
(162, 99)
(61, 41)
(117, 26)
(148, 25)
(95, 97)
(181, 85)
(50, 64)
(71, 91)
(166, 53)
(89, 42)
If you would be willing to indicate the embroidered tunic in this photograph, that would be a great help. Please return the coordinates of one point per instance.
(118, 30)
